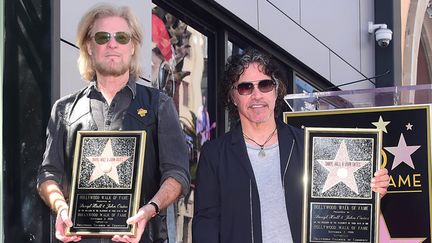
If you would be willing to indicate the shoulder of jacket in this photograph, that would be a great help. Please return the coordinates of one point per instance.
(294, 130)
(296, 133)
(153, 94)
(71, 97)
(217, 143)
(64, 100)
(62, 105)
(141, 87)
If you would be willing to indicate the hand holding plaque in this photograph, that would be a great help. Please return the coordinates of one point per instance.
(106, 183)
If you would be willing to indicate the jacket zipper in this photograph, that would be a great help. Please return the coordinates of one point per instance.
(251, 210)
(286, 167)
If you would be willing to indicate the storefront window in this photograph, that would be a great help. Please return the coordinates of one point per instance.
(234, 48)
(179, 68)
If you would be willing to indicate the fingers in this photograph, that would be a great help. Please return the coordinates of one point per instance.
(141, 221)
(65, 218)
(136, 218)
(61, 237)
(77, 238)
(140, 229)
(381, 191)
(145, 213)
(381, 178)
(118, 238)
(382, 171)
(63, 221)
(380, 182)
(125, 238)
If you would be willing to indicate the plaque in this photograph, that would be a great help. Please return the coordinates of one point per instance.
(339, 204)
(106, 182)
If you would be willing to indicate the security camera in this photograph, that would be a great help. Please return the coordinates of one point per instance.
(383, 36)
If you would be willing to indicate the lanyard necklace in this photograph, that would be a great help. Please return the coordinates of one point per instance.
(261, 153)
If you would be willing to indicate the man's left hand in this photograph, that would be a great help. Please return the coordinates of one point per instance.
(144, 214)
(380, 182)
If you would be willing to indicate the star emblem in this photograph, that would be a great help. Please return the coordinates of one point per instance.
(409, 126)
(341, 169)
(106, 164)
(142, 112)
(381, 124)
(402, 153)
(384, 235)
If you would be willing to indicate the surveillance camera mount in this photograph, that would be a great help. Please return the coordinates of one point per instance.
(372, 27)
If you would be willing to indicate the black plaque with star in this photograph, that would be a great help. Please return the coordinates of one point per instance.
(339, 204)
(406, 153)
(106, 182)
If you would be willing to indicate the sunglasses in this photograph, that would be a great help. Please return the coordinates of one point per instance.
(103, 37)
(246, 88)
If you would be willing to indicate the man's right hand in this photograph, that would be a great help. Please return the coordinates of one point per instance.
(63, 221)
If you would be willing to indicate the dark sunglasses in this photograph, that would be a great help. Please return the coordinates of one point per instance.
(246, 88)
(103, 37)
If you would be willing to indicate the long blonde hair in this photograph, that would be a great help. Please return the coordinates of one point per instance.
(85, 26)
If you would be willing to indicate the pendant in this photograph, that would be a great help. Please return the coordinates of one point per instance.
(261, 153)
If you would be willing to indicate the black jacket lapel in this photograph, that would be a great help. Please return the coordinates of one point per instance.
(239, 151)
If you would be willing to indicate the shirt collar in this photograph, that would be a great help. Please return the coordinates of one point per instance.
(131, 85)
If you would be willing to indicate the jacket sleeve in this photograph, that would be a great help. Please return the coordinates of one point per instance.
(52, 166)
(206, 221)
(173, 153)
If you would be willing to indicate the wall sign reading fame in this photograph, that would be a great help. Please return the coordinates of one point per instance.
(106, 182)
(339, 204)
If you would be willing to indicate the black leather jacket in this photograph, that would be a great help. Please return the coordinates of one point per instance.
(72, 113)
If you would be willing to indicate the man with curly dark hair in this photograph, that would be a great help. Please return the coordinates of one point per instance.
(249, 185)
(236, 66)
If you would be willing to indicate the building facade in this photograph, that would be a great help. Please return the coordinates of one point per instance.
(321, 45)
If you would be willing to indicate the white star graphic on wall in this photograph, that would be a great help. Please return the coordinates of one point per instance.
(381, 124)
(402, 153)
(106, 164)
(341, 169)
(409, 126)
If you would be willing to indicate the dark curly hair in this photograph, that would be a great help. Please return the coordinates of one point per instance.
(234, 68)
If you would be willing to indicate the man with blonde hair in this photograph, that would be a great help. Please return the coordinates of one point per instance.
(110, 39)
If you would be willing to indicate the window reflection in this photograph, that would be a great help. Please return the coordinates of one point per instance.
(234, 48)
(179, 68)
(301, 85)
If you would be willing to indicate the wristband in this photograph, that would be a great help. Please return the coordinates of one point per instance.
(155, 206)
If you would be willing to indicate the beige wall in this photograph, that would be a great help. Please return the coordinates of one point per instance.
(416, 26)
(404, 18)
(335, 44)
